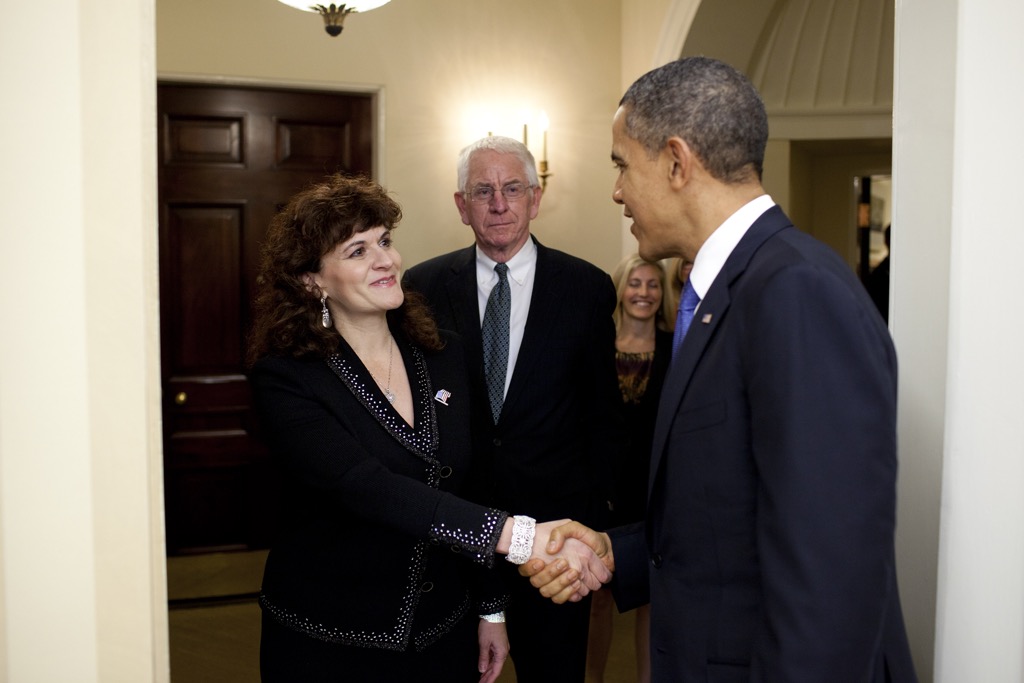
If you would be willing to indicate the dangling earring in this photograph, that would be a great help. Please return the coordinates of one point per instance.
(325, 315)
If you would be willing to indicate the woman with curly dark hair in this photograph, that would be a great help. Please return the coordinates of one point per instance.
(381, 572)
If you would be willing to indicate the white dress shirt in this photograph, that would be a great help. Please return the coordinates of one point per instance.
(716, 249)
(521, 269)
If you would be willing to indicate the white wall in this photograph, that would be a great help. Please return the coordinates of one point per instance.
(452, 71)
(923, 107)
(81, 572)
(958, 325)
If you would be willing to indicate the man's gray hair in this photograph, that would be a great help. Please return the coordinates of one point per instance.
(707, 103)
(501, 145)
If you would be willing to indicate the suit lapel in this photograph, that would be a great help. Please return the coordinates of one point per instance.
(713, 308)
(462, 296)
(712, 312)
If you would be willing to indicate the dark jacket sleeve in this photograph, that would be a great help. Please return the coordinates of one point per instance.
(631, 582)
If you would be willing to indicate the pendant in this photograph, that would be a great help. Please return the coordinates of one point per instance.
(389, 395)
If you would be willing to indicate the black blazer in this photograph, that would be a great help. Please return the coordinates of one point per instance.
(377, 548)
(768, 549)
(551, 451)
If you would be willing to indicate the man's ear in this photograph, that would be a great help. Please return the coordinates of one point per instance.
(536, 194)
(681, 161)
(463, 207)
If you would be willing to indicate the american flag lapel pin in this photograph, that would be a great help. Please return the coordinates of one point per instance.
(442, 396)
(706, 318)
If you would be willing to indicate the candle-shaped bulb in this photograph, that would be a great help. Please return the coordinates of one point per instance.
(544, 123)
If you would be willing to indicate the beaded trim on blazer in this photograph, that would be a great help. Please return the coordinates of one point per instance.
(421, 440)
(395, 639)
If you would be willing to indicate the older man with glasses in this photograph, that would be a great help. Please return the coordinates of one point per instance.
(537, 324)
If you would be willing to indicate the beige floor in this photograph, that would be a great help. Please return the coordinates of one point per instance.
(215, 644)
(216, 640)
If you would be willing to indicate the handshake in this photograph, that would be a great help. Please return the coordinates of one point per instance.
(568, 560)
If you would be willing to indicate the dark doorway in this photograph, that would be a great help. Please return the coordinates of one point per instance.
(229, 157)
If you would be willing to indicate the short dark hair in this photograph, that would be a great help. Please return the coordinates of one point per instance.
(287, 318)
(707, 103)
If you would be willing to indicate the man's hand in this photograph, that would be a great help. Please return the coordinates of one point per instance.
(557, 575)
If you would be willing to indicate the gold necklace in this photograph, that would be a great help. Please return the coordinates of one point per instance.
(388, 394)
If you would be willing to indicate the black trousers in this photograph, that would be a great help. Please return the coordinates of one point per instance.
(548, 641)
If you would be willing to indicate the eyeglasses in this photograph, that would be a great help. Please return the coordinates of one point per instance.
(483, 194)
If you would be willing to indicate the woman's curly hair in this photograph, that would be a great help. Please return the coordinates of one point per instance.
(286, 314)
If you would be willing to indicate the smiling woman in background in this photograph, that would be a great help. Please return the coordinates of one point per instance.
(381, 569)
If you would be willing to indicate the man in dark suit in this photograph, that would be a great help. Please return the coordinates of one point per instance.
(878, 280)
(551, 423)
(767, 553)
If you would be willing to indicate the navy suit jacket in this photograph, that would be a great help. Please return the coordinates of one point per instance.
(768, 549)
(550, 454)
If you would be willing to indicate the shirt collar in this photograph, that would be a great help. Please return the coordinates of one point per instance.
(719, 245)
(518, 266)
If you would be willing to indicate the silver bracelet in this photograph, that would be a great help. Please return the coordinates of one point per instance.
(496, 618)
(521, 547)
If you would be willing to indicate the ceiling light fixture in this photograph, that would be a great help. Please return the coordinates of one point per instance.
(334, 15)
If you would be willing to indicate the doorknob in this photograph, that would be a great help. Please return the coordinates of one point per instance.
(181, 398)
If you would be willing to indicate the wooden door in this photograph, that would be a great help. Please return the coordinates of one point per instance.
(229, 158)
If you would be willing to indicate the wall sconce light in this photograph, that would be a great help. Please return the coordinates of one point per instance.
(334, 15)
(540, 120)
(542, 163)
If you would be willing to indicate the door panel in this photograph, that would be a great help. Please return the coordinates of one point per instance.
(204, 264)
(229, 158)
